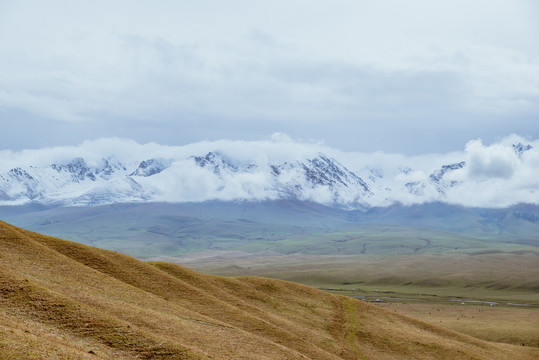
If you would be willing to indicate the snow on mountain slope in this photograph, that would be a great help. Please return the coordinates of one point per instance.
(436, 182)
(196, 178)
(113, 170)
(151, 167)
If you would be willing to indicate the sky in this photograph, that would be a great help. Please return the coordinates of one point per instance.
(407, 77)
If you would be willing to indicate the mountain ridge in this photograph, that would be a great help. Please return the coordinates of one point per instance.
(318, 178)
(110, 171)
(152, 229)
(300, 179)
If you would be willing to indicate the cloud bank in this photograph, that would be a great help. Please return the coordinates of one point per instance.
(481, 175)
(362, 75)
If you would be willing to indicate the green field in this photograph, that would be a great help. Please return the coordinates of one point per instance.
(285, 227)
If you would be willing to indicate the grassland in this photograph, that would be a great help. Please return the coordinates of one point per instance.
(413, 259)
(507, 324)
(502, 287)
(63, 300)
(513, 276)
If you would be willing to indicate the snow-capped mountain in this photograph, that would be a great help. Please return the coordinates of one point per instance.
(73, 182)
(319, 179)
(216, 164)
(123, 171)
(521, 149)
(151, 167)
(437, 180)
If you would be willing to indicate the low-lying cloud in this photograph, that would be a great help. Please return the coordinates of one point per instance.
(494, 161)
(492, 175)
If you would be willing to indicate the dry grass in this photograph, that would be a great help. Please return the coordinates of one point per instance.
(511, 275)
(63, 300)
(519, 326)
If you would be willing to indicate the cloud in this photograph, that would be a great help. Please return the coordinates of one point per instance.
(494, 175)
(495, 161)
(363, 76)
(497, 175)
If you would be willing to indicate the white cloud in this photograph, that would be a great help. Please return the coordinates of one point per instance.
(348, 72)
(495, 161)
(494, 175)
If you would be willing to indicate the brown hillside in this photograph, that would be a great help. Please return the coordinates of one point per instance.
(63, 300)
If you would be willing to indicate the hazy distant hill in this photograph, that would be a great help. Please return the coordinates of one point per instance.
(65, 300)
(283, 226)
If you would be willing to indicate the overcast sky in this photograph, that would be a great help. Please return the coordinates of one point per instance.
(398, 76)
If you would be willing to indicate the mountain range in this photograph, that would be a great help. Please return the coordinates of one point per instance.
(216, 175)
(76, 183)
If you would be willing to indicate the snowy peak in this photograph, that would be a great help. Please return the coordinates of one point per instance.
(215, 163)
(109, 168)
(77, 168)
(231, 171)
(291, 179)
(438, 175)
(19, 183)
(521, 149)
(321, 170)
(43, 183)
(324, 171)
(151, 167)
(320, 179)
(435, 182)
(80, 171)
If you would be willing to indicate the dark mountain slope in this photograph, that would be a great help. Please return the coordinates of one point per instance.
(156, 229)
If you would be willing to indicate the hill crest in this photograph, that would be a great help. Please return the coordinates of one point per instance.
(61, 299)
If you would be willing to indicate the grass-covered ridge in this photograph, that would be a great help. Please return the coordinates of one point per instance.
(63, 300)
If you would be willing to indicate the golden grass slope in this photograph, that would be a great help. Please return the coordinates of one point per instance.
(63, 300)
